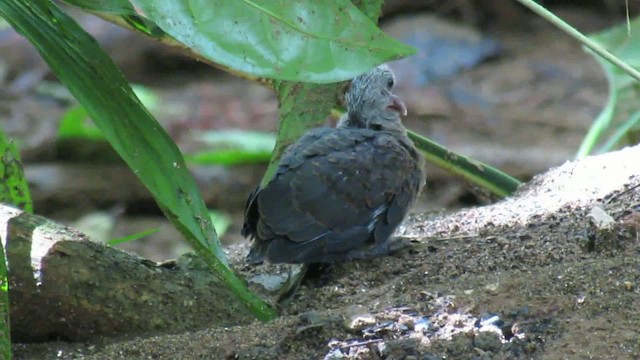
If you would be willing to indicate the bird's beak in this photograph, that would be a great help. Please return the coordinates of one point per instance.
(397, 104)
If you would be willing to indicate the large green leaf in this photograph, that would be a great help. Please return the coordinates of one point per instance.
(99, 86)
(305, 40)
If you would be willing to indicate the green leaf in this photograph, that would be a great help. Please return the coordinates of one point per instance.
(78, 61)
(238, 139)
(306, 40)
(476, 172)
(228, 157)
(604, 119)
(626, 46)
(147, 96)
(622, 41)
(4, 24)
(121, 7)
(631, 124)
(132, 237)
(233, 147)
(5, 330)
(75, 123)
(14, 188)
(220, 220)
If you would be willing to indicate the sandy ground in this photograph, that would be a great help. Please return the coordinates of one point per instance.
(531, 277)
(551, 273)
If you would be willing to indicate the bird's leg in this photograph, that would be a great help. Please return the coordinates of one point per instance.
(377, 250)
(392, 245)
(320, 274)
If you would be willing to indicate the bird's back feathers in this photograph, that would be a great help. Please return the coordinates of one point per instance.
(335, 190)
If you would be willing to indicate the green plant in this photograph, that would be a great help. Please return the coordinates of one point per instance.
(302, 51)
(617, 52)
(13, 190)
(311, 35)
(132, 237)
(75, 121)
(623, 41)
(219, 219)
(233, 147)
(99, 86)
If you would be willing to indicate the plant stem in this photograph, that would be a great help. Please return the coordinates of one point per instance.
(584, 40)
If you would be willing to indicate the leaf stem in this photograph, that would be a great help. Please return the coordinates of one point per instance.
(584, 40)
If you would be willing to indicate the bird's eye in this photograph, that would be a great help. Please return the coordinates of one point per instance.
(390, 83)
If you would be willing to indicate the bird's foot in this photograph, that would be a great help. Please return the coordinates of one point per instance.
(385, 248)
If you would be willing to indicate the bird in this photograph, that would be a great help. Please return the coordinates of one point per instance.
(339, 193)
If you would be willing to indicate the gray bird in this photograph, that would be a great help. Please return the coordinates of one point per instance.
(339, 193)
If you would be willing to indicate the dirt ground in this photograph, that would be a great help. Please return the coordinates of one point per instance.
(531, 277)
(538, 276)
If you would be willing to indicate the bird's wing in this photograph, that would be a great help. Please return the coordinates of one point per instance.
(251, 216)
(347, 178)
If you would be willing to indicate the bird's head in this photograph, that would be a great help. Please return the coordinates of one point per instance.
(370, 102)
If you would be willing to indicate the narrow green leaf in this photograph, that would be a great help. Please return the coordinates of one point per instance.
(587, 42)
(604, 119)
(307, 40)
(132, 237)
(483, 175)
(75, 123)
(5, 331)
(14, 188)
(623, 44)
(4, 24)
(622, 41)
(238, 139)
(220, 220)
(78, 61)
(632, 123)
(233, 147)
(121, 7)
(228, 157)
(147, 96)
